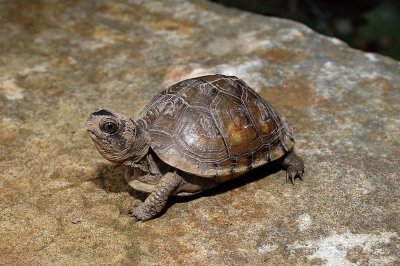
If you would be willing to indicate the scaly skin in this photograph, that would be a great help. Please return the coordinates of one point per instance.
(157, 199)
(294, 166)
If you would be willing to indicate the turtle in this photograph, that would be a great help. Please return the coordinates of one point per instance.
(193, 136)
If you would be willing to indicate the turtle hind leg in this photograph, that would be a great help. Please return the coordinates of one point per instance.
(157, 199)
(294, 166)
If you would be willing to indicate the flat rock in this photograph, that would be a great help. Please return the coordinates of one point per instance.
(62, 204)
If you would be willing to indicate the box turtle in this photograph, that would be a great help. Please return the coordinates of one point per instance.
(193, 136)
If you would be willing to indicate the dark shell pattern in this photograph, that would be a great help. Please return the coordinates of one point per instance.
(214, 126)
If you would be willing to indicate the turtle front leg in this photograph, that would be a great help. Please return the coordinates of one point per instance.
(157, 199)
(294, 166)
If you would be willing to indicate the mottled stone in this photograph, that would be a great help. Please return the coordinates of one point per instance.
(62, 204)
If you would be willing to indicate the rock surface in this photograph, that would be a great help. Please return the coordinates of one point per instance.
(62, 204)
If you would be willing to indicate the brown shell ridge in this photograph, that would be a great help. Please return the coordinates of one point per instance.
(229, 79)
(251, 117)
(223, 135)
(231, 95)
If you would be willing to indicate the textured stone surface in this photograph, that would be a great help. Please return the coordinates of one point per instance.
(61, 203)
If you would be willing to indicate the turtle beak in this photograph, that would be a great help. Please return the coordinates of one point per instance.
(90, 123)
(91, 134)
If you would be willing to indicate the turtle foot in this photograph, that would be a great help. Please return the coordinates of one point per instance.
(139, 213)
(294, 172)
(294, 167)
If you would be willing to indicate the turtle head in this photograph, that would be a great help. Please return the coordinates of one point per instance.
(117, 137)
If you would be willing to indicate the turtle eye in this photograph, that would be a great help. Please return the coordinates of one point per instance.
(109, 127)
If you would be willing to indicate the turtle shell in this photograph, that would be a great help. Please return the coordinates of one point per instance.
(214, 126)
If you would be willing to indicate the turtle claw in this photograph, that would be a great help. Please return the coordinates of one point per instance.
(289, 178)
(138, 213)
(292, 173)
